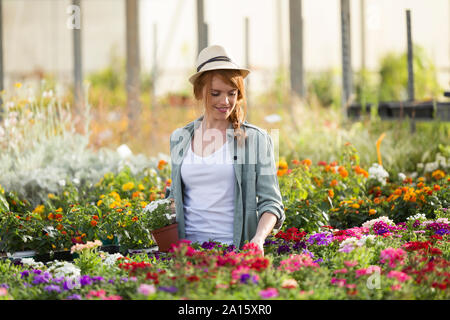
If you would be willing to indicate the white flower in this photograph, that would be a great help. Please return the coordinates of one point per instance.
(370, 223)
(30, 262)
(366, 240)
(64, 269)
(124, 151)
(155, 204)
(401, 176)
(112, 258)
(377, 172)
(419, 216)
(431, 166)
(62, 182)
(76, 180)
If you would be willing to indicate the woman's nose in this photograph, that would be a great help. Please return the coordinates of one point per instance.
(225, 100)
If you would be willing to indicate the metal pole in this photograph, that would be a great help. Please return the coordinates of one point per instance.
(346, 57)
(410, 67)
(201, 29)
(155, 67)
(296, 47)
(363, 34)
(133, 63)
(77, 68)
(1, 59)
(410, 57)
(247, 61)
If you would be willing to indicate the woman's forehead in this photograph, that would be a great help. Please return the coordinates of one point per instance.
(217, 83)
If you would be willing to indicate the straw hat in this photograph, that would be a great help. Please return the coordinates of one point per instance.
(214, 58)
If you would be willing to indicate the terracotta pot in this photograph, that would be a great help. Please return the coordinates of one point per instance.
(165, 236)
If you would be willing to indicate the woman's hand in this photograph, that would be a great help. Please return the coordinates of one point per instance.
(259, 242)
(265, 226)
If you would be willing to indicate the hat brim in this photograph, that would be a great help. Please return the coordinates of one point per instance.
(243, 71)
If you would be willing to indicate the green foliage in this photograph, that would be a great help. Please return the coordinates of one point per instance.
(394, 77)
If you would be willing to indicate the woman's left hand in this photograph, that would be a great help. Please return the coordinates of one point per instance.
(259, 242)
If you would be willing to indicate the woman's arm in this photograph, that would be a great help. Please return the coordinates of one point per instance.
(265, 227)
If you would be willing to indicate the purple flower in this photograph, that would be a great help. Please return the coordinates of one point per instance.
(124, 279)
(255, 279)
(299, 246)
(53, 288)
(37, 271)
(347, 248)
(283, 249)
(69, 284)
(58, 280)
(74, 297)
(42, 278)
(4, 285)
(318, 260)
(322, 239)
(208, 245)
(380, 227)
(24, 274)
(111, 281)
(244, 278)
(97, 278)
(441, 232)
(85, 280)
(170, 289)
(416, 224)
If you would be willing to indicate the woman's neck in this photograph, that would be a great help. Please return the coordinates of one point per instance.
(221, 125)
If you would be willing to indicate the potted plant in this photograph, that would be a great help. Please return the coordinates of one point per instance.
(162, 223)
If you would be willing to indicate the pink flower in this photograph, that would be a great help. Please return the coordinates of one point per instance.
(396, 287)
(296, 262)
(392, 256)
(350, 264)
(289, 284)
(400, 276)
(344, 270)
(339, 282)
(268, 293)
(368, 270)
(113, 297)
(3, 292)
(146, 289)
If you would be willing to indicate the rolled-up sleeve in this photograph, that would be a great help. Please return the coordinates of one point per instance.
(268, 193)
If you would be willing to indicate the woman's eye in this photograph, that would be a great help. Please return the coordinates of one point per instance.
(215, 94)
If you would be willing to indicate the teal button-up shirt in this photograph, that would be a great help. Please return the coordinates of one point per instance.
(256, 191)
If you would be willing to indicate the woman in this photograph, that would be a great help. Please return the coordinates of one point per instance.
(224, 182)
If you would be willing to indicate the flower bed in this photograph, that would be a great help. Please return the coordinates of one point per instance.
(380, 260)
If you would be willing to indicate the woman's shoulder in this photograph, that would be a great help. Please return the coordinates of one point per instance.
(253, 129)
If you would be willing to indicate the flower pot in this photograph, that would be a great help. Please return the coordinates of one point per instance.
(165, 236)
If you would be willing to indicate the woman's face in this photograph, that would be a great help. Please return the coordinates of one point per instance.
(222, 97)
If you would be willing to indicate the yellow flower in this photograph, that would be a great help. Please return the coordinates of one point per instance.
(99, 202)
(128, 186)
(39, 209)
(59, 210)
(143, 204)
(51, 196)
(438, 174)
(110, 237)
(2, 191)
(355, 206)
(141, 187)
(18, 85)
(372, 211)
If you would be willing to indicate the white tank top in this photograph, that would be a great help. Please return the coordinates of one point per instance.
(208, 203)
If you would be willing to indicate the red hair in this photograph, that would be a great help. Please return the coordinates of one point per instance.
(233, 78)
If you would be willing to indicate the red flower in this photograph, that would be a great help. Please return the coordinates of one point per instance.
(193, 278)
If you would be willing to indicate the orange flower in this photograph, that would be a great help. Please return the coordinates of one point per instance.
(307, 162)
(161, 164)
(436, 187)
(333, 164)
(372, 212)
(169, 182)
(93, 223)
(438, 174)
(63, 232)
(95, 217)
(295, 162)
(330, 193)
(333, 183)
(59, 226)
(134, 219)
(376, 200)
(343, 172)
(50, 216)
(58, 216)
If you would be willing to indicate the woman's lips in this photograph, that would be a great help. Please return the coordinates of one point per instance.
(223, 110)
